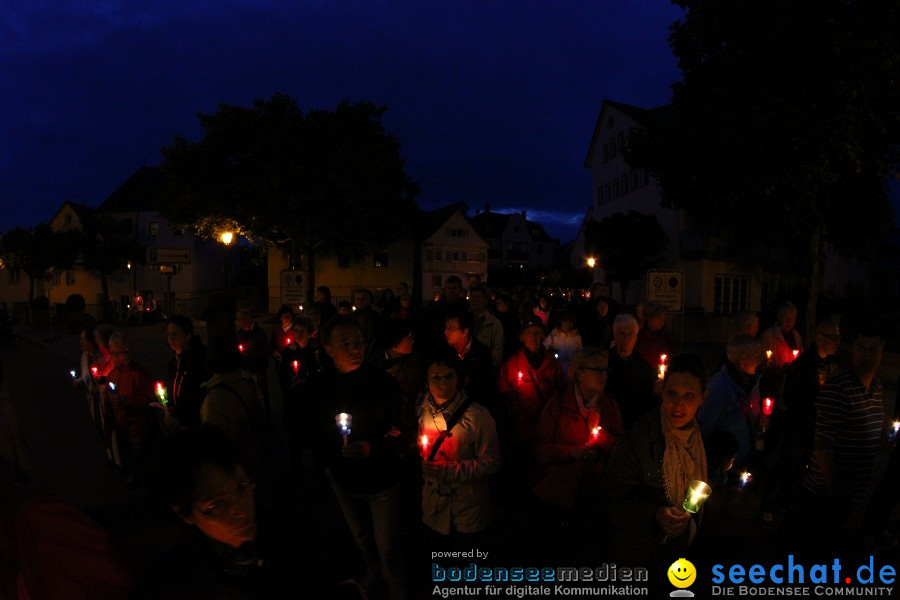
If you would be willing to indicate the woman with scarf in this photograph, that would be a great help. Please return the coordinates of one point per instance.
(733, 402)
(644, 484)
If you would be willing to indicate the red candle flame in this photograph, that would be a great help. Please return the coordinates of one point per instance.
(240, 347)
(520, 377)
(95, 371)
(768, 405)
(795, 353)
(296, 365)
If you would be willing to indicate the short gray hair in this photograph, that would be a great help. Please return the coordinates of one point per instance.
(625, 320)
(742, 345)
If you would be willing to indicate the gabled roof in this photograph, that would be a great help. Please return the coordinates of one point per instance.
(137, 194)
(490, 224)
(642, 115)
(82, 212)
(431, 221)
(538, 233)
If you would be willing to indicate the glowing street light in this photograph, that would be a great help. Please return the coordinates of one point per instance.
(226, 237)
(592, 262)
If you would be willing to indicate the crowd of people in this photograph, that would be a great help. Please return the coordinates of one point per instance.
(447, 425)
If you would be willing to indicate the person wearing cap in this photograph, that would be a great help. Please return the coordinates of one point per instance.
(528, 379)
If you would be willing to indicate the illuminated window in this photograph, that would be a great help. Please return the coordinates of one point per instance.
(731, 294)
(153, 229)
(380, 260)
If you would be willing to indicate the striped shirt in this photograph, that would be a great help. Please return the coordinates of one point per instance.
(850, 418)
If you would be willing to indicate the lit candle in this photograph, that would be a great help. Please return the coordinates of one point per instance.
(521, 375)
(768, 405)
(296, 366)
(288, 341)
(663, 359)
(72, 373)
(160, 391)
(425, 444)
(768, 356)
(112, 386)
(595, 435)
(746, 477)
(300, 307)
(695, 496)
(794, 354)
(240, 347)
(344, 421)
(95, 371)
(895, 431)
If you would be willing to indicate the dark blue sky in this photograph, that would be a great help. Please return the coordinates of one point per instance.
(494, 102)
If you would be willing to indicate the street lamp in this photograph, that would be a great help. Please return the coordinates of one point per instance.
(592, 262)
(226, 237)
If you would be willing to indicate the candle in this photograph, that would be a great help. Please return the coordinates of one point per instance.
(521, 374)
(344, 421)
(596, 432)
(746, 477)
(72, 373)
(768, 405)
(296, 366)
(895, 431)
(794, 354)
(556, 355)
(240, 347)
(768, 356)
(95, 371)
(663, 359)
(288, 341)
(425, 444)
(695, 496)
(160, 391)
(112, 387)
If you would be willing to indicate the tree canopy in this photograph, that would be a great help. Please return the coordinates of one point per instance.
(625, 244)
(326, 178)
(784, 125)
(37, 249)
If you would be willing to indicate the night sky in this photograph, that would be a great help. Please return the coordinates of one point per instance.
(493, 101)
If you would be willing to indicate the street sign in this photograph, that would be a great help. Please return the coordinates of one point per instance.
(293, 288)
(170, 256)
(666, 288)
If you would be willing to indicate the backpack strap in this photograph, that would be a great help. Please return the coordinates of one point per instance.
(451, 423)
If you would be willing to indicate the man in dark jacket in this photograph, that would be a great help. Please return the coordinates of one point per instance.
(363, 461)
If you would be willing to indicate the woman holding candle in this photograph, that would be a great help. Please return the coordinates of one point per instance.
(650, 472)
(99, 370)
(733, 403)
(575, 434)
(185, 374)
(653, 341)
(455, 497)
(90, 355)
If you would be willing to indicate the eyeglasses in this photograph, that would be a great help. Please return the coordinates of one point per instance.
(598, 370)
(222, 505)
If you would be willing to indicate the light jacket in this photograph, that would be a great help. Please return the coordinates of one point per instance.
(489, 331)
(459, 498)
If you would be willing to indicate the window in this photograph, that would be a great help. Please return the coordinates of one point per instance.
(605, 152)
(57, 276)
(381, 260)
(613, 147)
(70, 277)
(617, 189)
(456, 256)
(429, 255)
(15, 275)
(343, 260)
(459, 233)
(473, 257)
(625, 183)
(730, 294)
(436, 281)
(178, 231)
(153, 229)
(621, 139)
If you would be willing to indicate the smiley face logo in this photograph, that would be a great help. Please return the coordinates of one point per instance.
(682, 573)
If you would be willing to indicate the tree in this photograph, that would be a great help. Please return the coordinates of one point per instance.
(626, 245)
(37, 249)
(106, 246)
(783, 129)
(321, 180)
